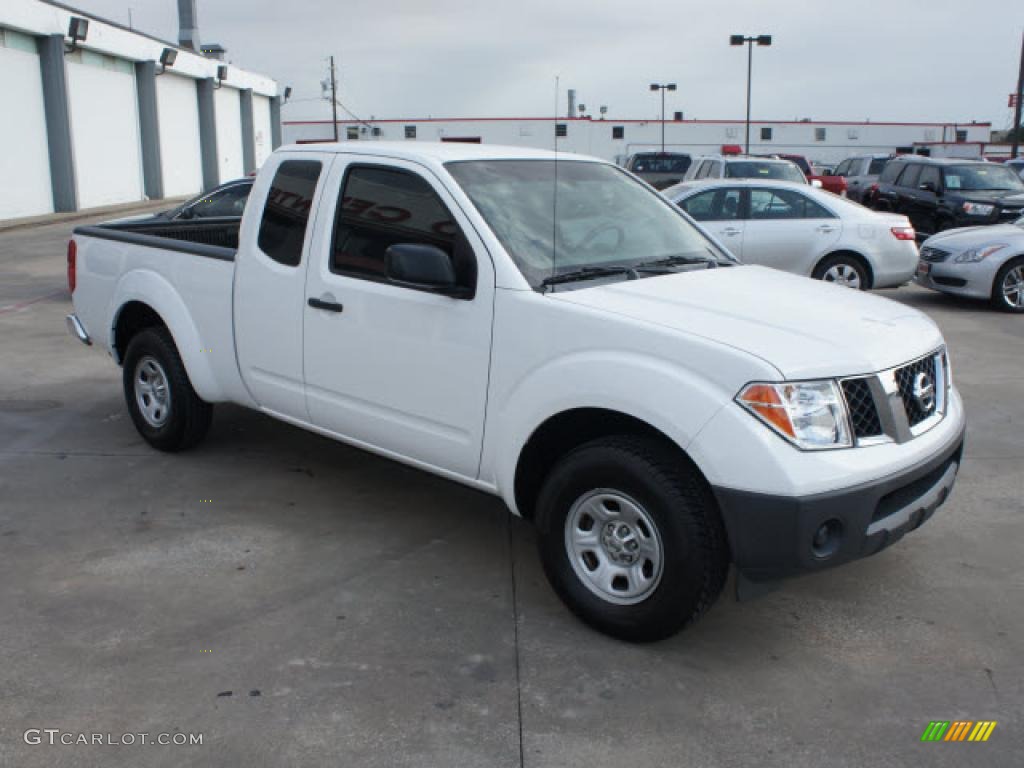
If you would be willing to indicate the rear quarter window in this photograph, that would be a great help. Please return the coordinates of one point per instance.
(286, 213)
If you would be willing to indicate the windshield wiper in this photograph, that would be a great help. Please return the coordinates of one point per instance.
(587, 273)
(677, 260)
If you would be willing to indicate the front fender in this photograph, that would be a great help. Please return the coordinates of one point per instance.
(155, 291)
(668, 397)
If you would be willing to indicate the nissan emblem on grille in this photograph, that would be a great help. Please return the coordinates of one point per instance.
(924, 391)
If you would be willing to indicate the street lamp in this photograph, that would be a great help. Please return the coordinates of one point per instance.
(749, 40)
(663, 88)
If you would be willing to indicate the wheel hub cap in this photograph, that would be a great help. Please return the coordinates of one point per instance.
(1013, 287)
(614, 546)
(843, 274)
(152, 393)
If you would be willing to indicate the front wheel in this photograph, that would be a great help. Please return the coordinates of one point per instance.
(630, 538)
(166, 411)
(843, 270)
(1008, 287)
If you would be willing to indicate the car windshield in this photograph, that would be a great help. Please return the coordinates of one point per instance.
(981, 177)
(656, 163)
(753, 169)
(599, 218)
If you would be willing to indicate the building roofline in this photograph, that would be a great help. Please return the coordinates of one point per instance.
(937, 124)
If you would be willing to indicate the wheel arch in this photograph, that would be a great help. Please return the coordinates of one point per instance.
(566, 430)
(849, 253)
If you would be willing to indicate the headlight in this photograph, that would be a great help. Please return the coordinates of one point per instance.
(978, 209)
(977, 254)
(810, 414)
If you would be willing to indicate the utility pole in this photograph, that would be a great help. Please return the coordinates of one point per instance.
(334, 100)
(749, 40)
(1017, 128)
(663, 87)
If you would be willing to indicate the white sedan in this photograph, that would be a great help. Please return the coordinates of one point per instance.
(797, 228)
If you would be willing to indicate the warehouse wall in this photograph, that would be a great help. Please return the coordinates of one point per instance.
(24, 159)
(104, 129)
(261, 128)
(179, 135)
(229, 133)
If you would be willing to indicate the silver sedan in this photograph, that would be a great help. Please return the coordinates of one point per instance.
(978, 262)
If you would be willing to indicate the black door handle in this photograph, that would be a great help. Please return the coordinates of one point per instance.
(330, 306)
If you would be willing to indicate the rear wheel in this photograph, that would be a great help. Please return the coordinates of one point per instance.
(630, 538)
(842, 269)
(165, 409)
(1008, 287)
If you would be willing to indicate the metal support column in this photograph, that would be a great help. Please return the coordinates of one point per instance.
(58, 123)
(248, 131)
(208, 133)
(149, 129)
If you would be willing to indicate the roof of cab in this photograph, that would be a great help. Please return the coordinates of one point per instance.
(442, 152)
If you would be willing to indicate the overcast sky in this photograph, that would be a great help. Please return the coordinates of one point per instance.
(902, 60)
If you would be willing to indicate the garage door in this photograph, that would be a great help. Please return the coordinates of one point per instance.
(25, 173)
(229, 134)
(180, 155)
(104, 129)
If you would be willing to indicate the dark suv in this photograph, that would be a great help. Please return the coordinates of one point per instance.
(937, 194)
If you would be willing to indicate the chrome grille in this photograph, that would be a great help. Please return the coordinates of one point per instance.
(934, 255)
(898, 404)
(915, 381)
(863, 411)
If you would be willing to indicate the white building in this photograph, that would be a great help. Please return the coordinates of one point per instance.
(100, 121)
(825, 142)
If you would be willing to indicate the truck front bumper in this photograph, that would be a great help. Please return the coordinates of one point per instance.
(774, 537)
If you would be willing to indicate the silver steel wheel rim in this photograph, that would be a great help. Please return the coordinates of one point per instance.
(614, 546)
(152, 394)
(1013, 287)
(842, 274)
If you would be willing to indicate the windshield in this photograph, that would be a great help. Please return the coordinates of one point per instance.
(655, 163)
(983, 176)
(603, 217)
(752, 169)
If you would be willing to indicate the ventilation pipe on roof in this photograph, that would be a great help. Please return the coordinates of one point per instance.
(572, 103)
(188, 25)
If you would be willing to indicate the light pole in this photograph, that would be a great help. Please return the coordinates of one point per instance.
(663, 88)
(749, 40)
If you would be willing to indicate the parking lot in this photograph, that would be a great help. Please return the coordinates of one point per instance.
(299, 602)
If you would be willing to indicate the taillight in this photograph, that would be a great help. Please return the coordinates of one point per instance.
(72, 258)
(903, 233)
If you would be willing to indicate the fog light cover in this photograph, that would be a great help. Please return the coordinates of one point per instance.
(810, 414)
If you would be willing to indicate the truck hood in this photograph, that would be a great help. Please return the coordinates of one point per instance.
(802, 327)
(1009, 197)
(971, 237)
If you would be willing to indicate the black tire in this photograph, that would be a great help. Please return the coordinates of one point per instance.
(843, 261)
(675, 497)
(998, 300)
(186, 418)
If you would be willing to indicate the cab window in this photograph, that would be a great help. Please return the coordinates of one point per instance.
(380, 207)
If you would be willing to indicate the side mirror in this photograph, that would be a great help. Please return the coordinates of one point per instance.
(187, 213)
(929, 186)
(816, 183)
(425, 267)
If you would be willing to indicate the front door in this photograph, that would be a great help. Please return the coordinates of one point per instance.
(389, 366)
(718, 211)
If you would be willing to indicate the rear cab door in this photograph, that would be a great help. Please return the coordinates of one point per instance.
(389, 366)
(270, 280)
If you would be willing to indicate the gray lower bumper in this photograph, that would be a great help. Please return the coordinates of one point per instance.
(76, 329)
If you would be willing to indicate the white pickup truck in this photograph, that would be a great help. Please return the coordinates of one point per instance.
(550, 330)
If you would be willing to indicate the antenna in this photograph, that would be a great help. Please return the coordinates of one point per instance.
(554, 190)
